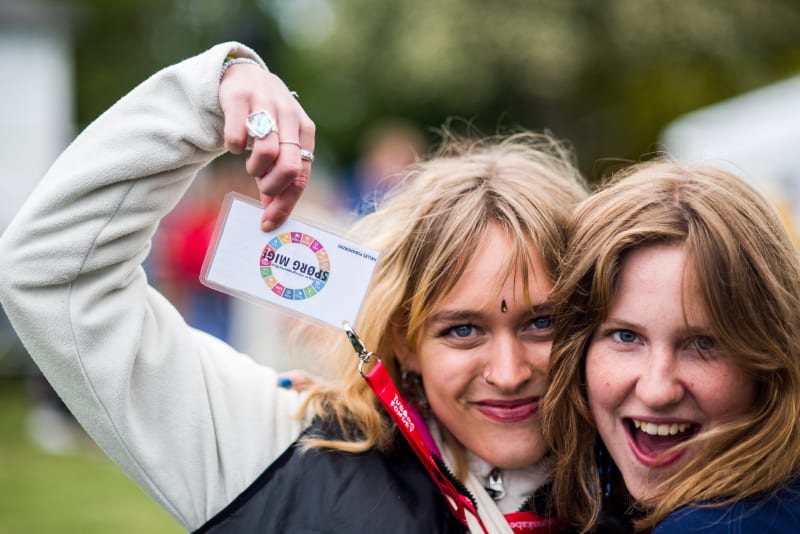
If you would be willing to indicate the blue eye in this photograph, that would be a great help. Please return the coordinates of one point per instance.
(624, 336)
(704, 343)
(542, 323)
(462, 330)
(460, 334)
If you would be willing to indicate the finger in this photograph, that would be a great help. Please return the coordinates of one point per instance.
(263, 156)
(296, 379)
(307, 131)
(307, 140)
(284, 170)
(297, 134)
(235, 128)
(264, 145)
(278, 207)
(282, 185)
(285, 382)
(289, 117)
(236, 92)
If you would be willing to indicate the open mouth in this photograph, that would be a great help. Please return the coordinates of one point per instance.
(652, 440)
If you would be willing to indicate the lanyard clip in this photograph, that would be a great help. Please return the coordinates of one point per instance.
(361, 350)
(358, 345)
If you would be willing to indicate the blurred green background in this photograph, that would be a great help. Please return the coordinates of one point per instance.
(76, 492)
(606, 75)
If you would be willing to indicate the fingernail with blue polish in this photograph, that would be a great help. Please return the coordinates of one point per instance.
(285, 382)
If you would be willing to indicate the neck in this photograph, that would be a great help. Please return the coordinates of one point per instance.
(510, 488)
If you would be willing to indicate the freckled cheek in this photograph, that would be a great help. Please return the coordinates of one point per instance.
(595, 387)
(605, 381)
(595, 369)
(733, 402)
(728, 392)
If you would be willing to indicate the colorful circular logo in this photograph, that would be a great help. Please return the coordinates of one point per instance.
(295, 266)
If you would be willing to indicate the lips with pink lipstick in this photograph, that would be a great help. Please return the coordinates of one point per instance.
(508, 411)
(649, 440)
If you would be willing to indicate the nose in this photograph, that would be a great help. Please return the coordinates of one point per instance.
(659, 384)
(512, 363)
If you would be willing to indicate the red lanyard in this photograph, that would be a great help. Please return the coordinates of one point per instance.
(381, 383)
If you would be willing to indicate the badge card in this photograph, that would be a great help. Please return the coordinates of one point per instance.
(297, 266)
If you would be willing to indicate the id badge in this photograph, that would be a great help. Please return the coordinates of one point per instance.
(297, 267)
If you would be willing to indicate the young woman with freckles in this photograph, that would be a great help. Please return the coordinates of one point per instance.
(674, 386)
(458, 310)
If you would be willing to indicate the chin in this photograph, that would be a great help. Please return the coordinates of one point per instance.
(515, 459)
(645, 489)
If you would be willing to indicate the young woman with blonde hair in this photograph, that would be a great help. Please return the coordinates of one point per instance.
(458, 310)
(674, 386)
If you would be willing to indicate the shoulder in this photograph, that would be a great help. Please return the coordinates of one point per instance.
(348, 492)
(777, 511)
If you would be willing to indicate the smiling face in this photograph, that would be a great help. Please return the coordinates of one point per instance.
(486, 327)
(654, 375)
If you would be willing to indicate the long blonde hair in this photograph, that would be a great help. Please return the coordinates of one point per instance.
(749, 276)
(426, 232)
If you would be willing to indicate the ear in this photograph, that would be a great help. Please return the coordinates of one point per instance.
(402, 350)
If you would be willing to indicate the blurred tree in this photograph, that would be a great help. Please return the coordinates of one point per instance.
(608, 75)
(120, 43)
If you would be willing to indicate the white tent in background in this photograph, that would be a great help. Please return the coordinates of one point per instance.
(36, 114)
(36, 94)
(756, 135)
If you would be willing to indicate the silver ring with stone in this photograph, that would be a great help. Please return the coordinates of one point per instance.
(306, 155)
(261, 124)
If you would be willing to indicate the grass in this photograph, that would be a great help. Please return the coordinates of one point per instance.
(81, 492)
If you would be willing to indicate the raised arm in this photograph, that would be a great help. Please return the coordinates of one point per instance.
(188, 418)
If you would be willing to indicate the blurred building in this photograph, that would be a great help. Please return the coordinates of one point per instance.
(36, 111)
(37, 99)
(756, 136)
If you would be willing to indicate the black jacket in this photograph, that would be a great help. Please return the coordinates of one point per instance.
(326, 491)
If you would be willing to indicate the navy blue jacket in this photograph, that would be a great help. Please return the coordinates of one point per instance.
(777, 512)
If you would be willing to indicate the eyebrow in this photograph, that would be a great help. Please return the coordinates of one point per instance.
(446, 316)
(619, 323)
(543, 307)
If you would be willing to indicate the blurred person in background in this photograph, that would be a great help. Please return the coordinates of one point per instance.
(459, 310)
(181, 243)
(387, 149)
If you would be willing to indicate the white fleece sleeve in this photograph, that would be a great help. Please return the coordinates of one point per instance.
(192, 421)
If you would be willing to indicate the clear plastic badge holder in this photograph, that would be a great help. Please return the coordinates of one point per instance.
(297, 267)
